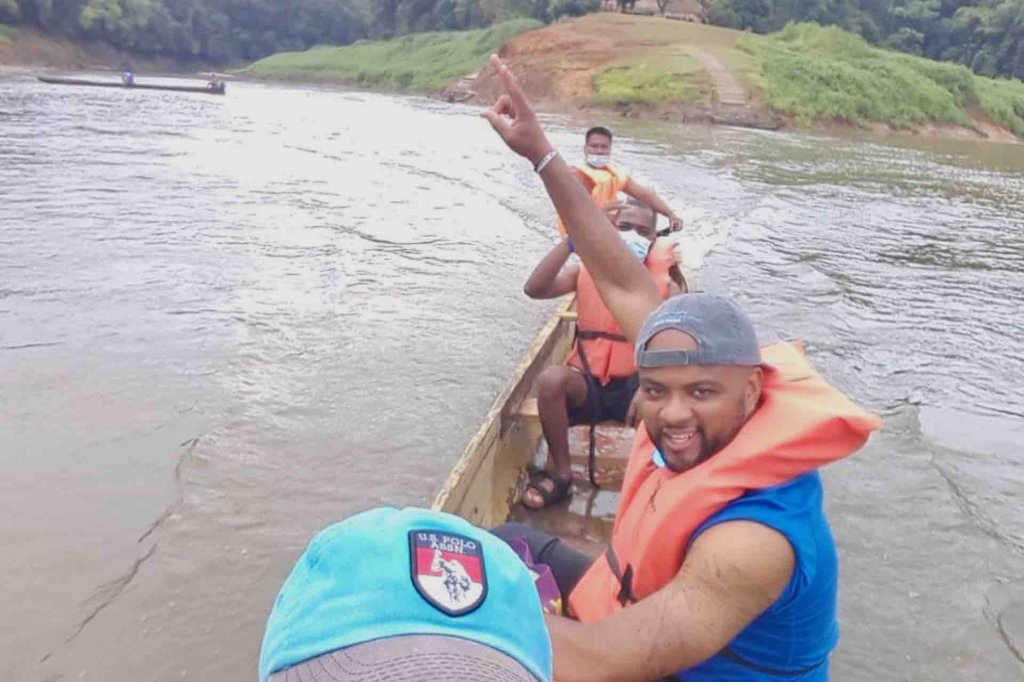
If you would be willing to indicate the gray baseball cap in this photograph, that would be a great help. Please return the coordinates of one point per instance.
(723, 332)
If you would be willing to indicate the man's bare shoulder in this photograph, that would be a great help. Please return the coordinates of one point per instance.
(748, 561)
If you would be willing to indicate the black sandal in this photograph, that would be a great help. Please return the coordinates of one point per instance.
(561, 489)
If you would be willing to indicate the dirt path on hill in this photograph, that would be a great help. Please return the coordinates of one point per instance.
(728, 90)
(556, 67)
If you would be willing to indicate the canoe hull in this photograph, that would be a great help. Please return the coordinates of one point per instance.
(483, 485)
(135, 86)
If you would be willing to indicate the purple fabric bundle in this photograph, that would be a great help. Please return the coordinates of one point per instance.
(547, 588)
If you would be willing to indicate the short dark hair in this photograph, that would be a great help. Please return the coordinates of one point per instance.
(598, 130)
(636, 203)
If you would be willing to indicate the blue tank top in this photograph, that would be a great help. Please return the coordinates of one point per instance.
(792, 639)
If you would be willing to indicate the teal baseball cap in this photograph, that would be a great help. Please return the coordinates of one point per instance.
(407, 595)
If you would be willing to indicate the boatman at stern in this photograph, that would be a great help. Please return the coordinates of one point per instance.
(604, 181)
(721, 564)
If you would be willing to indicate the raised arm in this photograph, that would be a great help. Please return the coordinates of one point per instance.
(732, 573)
(549, 279)
(648, 196)
(621, 279)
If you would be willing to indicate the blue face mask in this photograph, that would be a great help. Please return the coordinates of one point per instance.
(598, 160)
(637, 244)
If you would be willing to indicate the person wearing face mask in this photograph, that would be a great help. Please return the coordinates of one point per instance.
(599, 380)
(604, 181)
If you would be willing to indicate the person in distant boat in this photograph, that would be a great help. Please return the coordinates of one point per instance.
(599, 380)
(604, 181)
(128, 78)
(216, 83)
(721, 564)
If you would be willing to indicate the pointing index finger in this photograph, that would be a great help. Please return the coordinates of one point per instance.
(511, 87)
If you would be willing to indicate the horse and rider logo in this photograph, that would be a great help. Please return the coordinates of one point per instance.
(448, 570)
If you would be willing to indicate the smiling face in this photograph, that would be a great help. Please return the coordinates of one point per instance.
(692, 411)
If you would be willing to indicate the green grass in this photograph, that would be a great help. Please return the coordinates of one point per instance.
(418, 62)
(1003, 101)
(812, 72)
(667, 77)
(8, 31)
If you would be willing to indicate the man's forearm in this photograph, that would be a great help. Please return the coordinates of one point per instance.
(543, 277)
(576, 657)
(605, 652)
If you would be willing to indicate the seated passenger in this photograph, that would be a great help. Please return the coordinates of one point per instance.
(599, 380)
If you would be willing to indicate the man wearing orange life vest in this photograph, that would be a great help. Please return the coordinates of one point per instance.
(604, 181)
(721, 564)
(599, 380)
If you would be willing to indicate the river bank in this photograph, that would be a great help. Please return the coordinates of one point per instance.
(418, 62)
(805, 77)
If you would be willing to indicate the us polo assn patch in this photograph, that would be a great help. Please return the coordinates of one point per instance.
(448, 570)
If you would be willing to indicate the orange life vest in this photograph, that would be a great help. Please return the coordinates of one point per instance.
(604, 185)
(801, 424)
(608, 354)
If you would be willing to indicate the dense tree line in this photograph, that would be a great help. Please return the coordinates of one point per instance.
(225, 30)
(986, 35)
(398, 17)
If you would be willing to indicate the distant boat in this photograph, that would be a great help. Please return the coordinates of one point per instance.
(209, 88)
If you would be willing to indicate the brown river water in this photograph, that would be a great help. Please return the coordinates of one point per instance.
(227, 322)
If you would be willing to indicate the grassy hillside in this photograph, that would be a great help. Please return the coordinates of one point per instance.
(419, 62)
(637, 59)
(806, 73)
(671, 76)
(811, 72)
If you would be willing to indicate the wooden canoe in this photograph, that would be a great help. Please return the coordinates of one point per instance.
(134, 86)
(485, 484)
